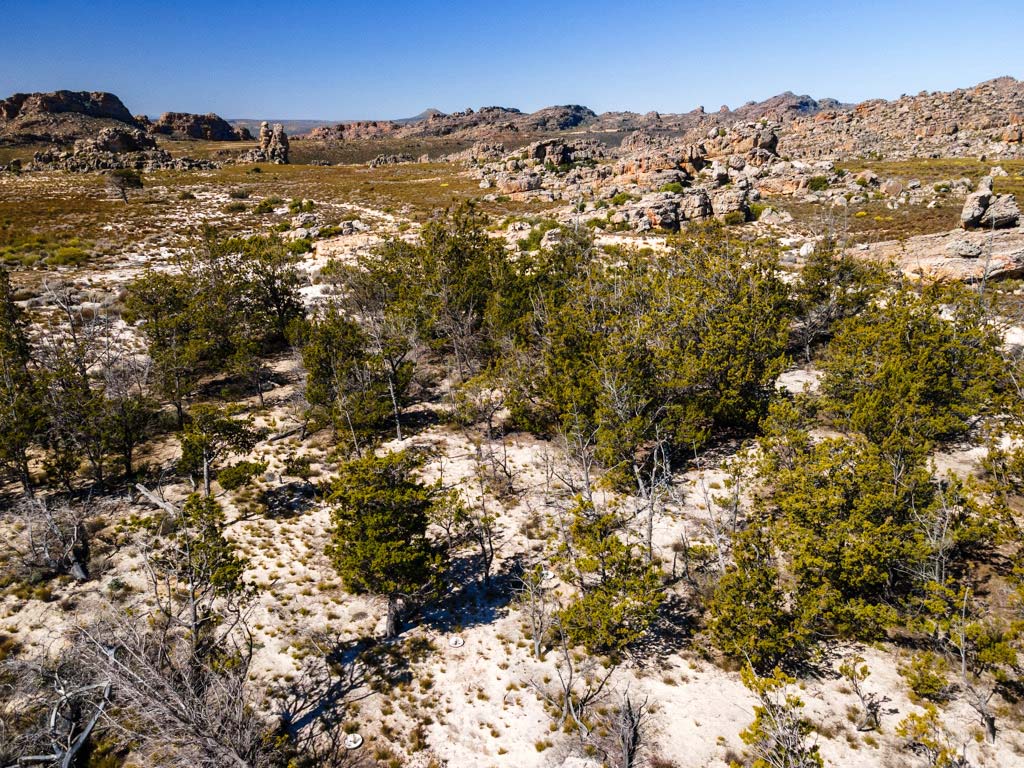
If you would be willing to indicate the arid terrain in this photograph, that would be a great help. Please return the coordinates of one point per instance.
(794, 219)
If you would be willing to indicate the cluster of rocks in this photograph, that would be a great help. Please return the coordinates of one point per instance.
(306, 225)
(984, 209)
(399, 159)
(112, 149)
(209, 127)
(985, 119)
(273, 146)
(665, 181)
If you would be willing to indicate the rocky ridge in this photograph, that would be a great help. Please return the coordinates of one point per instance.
(185, 125)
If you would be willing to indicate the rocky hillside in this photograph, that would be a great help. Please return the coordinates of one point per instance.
(184, 125)
(64, 117)
(964, 122)
(484, 123)
(60, 117)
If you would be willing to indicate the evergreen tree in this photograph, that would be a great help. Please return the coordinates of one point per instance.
(379, 541)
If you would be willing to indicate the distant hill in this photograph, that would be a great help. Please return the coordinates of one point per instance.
(291, 127)
(60, 117)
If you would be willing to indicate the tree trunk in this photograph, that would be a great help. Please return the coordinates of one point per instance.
(393, 624)
(990, 728)
(394, 407)
(26, 480)
(206, 475)
(259, 387)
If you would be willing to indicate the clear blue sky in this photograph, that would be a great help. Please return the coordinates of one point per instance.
(319, 59)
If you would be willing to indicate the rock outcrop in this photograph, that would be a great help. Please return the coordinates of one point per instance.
(983, 209)
(112, 149)
(399, 159)
(61, 117)
(273, 146)
(954, 256)
(209, 127)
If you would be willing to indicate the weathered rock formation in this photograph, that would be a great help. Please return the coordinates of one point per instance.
(984, 209)
(61, 117)
(209, 127)
(273, 146)
(954, 256)
(111, 149)
(380, 160)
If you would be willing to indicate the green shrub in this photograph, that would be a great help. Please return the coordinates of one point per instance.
(298, 466)
(267, 205)
(67, 256)
(621, 198)
(302, 245)
(234, 208)
(926, 676)
(756, 209)
(301, 206)
(234, 477)
(239, 194)
(818, 183)
(672, 186)
(532, 241)
(734, 218)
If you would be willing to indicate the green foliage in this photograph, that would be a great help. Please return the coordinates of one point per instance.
(749, 618)
(346, 384)
(240, 473)
(927, 676)
(912, 372)
(268, 204)
(120, 180)
(618, 592)
(818, 183)
(210, 558)
(926, 736)
(21, 401)
(832, 287)
(230, 304)
(379, 516)
(656, 346)
(778, 736)
(301, 206)
(734, 218)
(673, 186)
(211, 434)
(300, 245)
(532, 241)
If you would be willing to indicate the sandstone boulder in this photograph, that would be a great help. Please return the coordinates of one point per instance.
(1001, 213)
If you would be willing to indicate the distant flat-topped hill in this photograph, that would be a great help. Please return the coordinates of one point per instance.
(60, 117)
(63, 117)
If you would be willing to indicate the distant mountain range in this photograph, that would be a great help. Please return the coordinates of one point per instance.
(810, 125)
(305, 126)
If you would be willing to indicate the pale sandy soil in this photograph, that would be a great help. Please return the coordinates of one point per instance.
(478, 697)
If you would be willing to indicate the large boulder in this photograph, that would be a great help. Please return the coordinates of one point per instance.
(986, 210)
(695, 206)
(1001, 213)
(509, 184)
